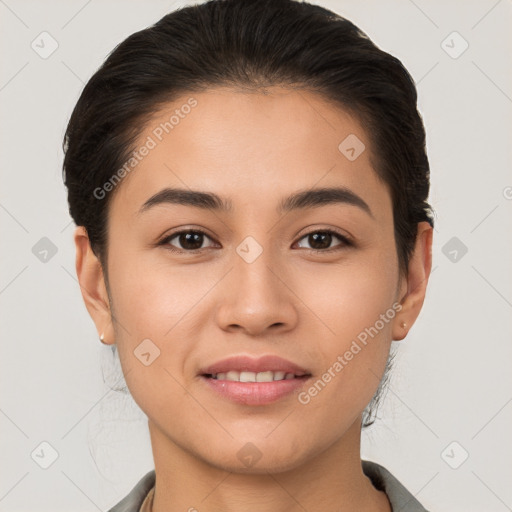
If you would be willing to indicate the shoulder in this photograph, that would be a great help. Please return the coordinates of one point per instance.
(133, 501)
(399, 497)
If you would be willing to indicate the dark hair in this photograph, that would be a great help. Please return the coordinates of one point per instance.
(249, 44)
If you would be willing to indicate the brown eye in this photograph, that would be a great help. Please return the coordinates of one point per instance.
(322, 240)
(187, 241)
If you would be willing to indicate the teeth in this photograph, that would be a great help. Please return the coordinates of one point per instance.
(254, 377)
(264, 377)
(246, 376)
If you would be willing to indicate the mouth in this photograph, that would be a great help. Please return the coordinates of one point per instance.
(244, 376)
(254, 381)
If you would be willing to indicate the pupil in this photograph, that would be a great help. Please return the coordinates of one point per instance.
(191, 240)
(325, 240)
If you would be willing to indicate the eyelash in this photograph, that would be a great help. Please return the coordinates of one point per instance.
(345, 241)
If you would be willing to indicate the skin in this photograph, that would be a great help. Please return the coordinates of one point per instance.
(254, 148)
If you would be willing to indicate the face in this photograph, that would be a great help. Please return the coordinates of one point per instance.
(308, 287)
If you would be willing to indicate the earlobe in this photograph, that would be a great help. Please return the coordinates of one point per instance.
(92, 285)
(420, 265)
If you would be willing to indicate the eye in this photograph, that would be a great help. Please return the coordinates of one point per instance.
(189, 241)
(320, 241)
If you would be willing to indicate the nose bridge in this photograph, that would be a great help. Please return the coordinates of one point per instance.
(255, 296)
(255, 267)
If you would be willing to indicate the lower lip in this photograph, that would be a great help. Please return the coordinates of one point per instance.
(255, 393)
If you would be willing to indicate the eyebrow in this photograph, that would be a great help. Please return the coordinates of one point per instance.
(311, 198)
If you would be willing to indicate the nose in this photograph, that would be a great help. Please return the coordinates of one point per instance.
(257, 297)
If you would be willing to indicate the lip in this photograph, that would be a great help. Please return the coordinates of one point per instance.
(242, 363)
(254, 393)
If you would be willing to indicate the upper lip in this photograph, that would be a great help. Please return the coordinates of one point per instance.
(243, 363)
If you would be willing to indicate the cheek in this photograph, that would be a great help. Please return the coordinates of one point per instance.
(152, 304)
(354, 306)
(160, 303)
(152, 295)
(350, 296)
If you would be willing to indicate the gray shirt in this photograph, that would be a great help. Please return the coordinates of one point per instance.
(400, 498)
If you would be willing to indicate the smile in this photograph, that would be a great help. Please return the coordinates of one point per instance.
(268, 376)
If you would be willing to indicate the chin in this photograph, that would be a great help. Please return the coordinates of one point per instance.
(256, 457)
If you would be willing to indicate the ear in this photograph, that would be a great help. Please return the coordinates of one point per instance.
(414, 287)
(92, 285)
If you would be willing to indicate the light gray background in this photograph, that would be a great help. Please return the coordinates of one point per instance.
(452, 380)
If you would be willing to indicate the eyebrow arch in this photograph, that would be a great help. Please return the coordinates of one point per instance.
(311, 198)
(205, 200)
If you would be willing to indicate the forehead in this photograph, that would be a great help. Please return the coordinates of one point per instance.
(251, 146)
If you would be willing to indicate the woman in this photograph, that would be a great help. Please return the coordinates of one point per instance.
(249, 183)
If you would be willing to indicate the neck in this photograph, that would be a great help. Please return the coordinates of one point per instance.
(328, 481)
